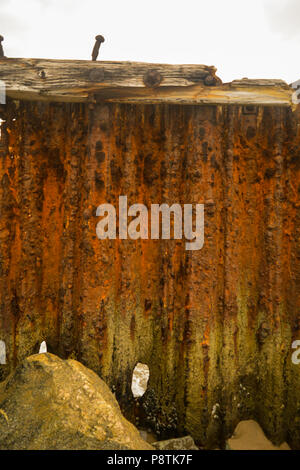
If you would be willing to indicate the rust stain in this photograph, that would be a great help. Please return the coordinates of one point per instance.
(203, 321)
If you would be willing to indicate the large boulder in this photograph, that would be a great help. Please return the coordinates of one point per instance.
(50, 403)
(248, 435)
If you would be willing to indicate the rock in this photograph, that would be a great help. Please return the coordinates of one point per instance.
(148, 436)
(248, 435)
(140, 379)
(180, 443)
(52, 403)
(284, 446)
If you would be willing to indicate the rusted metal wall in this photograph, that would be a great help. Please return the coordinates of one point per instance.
(215, 326)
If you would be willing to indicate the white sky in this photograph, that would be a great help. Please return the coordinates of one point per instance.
(242, 38)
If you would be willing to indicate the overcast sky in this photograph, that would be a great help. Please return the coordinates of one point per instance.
(242, 38)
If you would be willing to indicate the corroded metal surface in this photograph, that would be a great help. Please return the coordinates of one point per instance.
(214, 326)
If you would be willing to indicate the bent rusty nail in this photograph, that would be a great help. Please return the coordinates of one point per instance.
(99, 40)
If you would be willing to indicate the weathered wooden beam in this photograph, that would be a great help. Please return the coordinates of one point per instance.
(76, 80)
(133, 82)
(245, 94)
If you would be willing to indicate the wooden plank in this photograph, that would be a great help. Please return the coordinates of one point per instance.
(133, 82)
(256, 95)
(74, 80)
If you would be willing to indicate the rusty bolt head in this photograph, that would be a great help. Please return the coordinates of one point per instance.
(99, 38)
(210, 80)
(96, 75)
(152, 79)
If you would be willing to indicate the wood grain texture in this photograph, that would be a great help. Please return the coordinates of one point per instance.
(128, 82)
(70, 80)
(230, 93)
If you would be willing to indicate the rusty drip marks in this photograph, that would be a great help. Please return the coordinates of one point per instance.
(262, 333)
(197, 320)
